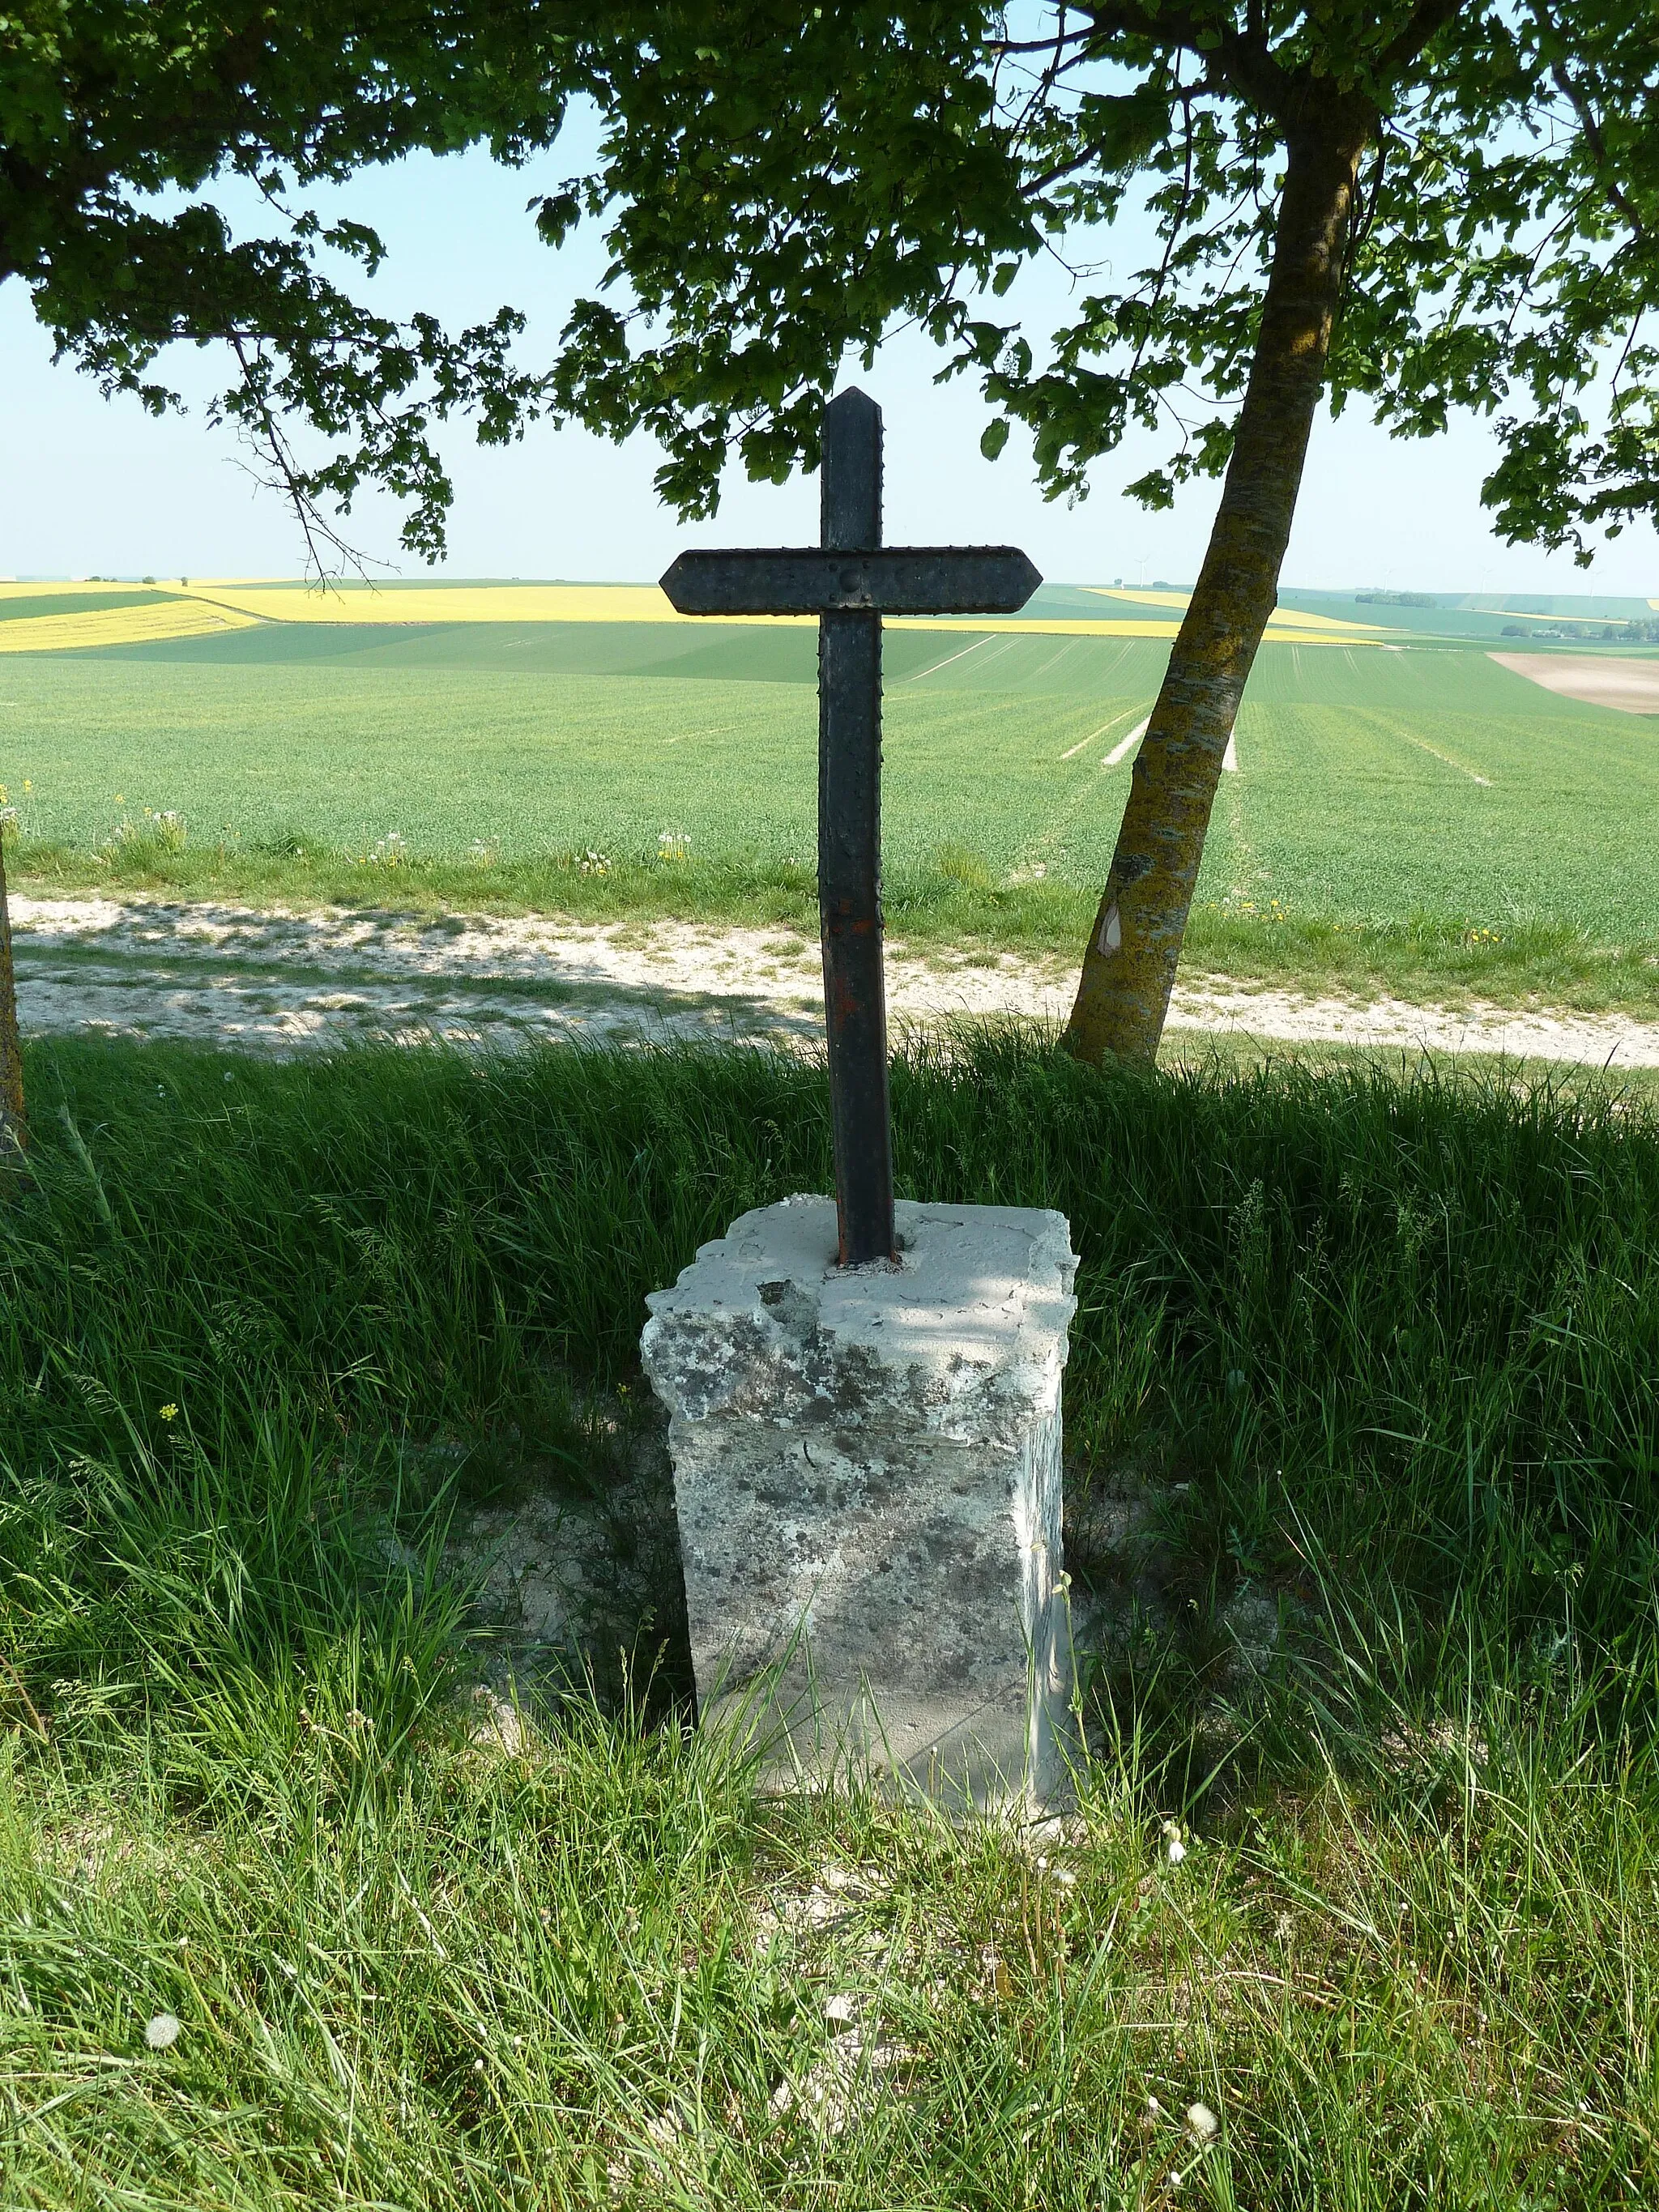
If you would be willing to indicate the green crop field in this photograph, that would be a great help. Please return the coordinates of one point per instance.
(1374, 786)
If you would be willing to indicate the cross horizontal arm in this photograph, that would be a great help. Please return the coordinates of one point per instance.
(899, 580)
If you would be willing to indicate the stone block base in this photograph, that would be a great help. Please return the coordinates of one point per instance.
(867, 1477)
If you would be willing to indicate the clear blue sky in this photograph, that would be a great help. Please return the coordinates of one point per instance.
(91, 485)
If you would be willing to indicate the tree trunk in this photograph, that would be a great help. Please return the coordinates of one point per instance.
(1129, 963)
(13, 1130)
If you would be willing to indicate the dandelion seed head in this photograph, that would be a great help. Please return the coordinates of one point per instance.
(162, 2031)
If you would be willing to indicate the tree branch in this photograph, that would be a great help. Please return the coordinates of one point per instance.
(1037, 45)
(1589, 124)
(283, 474)
(1243, 60)
(1428, 17)
(1080, 160)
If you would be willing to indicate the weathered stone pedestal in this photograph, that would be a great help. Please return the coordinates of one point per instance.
(867, 1474)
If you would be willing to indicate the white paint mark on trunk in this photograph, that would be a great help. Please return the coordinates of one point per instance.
(1229, 758)
(1121, 752)
(1111, 932)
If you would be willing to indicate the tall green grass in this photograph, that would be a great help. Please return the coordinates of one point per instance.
(949, 900)
(1381, 1353)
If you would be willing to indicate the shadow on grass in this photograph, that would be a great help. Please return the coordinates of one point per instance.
(1362, 1427)
(1352, 1346)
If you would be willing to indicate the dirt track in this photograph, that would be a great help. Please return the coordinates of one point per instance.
(280, 983)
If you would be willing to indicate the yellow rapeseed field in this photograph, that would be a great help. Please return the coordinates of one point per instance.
(198, 609)
(1285, 628)
(135, 625)
(1145, 598)
(645, 603)
(470, 603)
(63, 588)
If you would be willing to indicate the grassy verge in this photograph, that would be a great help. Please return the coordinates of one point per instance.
(1382, 1356)
(953, 903)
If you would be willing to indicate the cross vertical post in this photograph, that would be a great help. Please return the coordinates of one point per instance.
(849, 844)
(848, 580)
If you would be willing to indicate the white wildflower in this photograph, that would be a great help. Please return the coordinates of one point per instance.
(162, 2031)
(1203, 2123)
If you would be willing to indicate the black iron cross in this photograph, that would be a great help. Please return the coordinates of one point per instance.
(849, 581)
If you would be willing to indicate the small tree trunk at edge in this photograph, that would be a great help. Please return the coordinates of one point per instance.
(13, 1128)
(1129, 963)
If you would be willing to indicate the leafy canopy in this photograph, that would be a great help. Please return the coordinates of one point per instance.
(779, 185)
(116, 118)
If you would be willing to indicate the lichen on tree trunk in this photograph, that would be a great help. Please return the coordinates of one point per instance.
(13, 1127)
(1129, 963)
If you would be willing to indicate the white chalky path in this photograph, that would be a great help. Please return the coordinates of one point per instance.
(282, 982)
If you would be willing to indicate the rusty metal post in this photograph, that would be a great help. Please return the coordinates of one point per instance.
(14, 1127)
(849, 845)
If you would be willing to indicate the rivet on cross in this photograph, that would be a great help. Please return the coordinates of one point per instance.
(849, 581)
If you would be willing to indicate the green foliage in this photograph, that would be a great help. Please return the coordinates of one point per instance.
(779, 190)
(778, 187)
(1590, 292)
(103, 106)
(1400, 1340)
